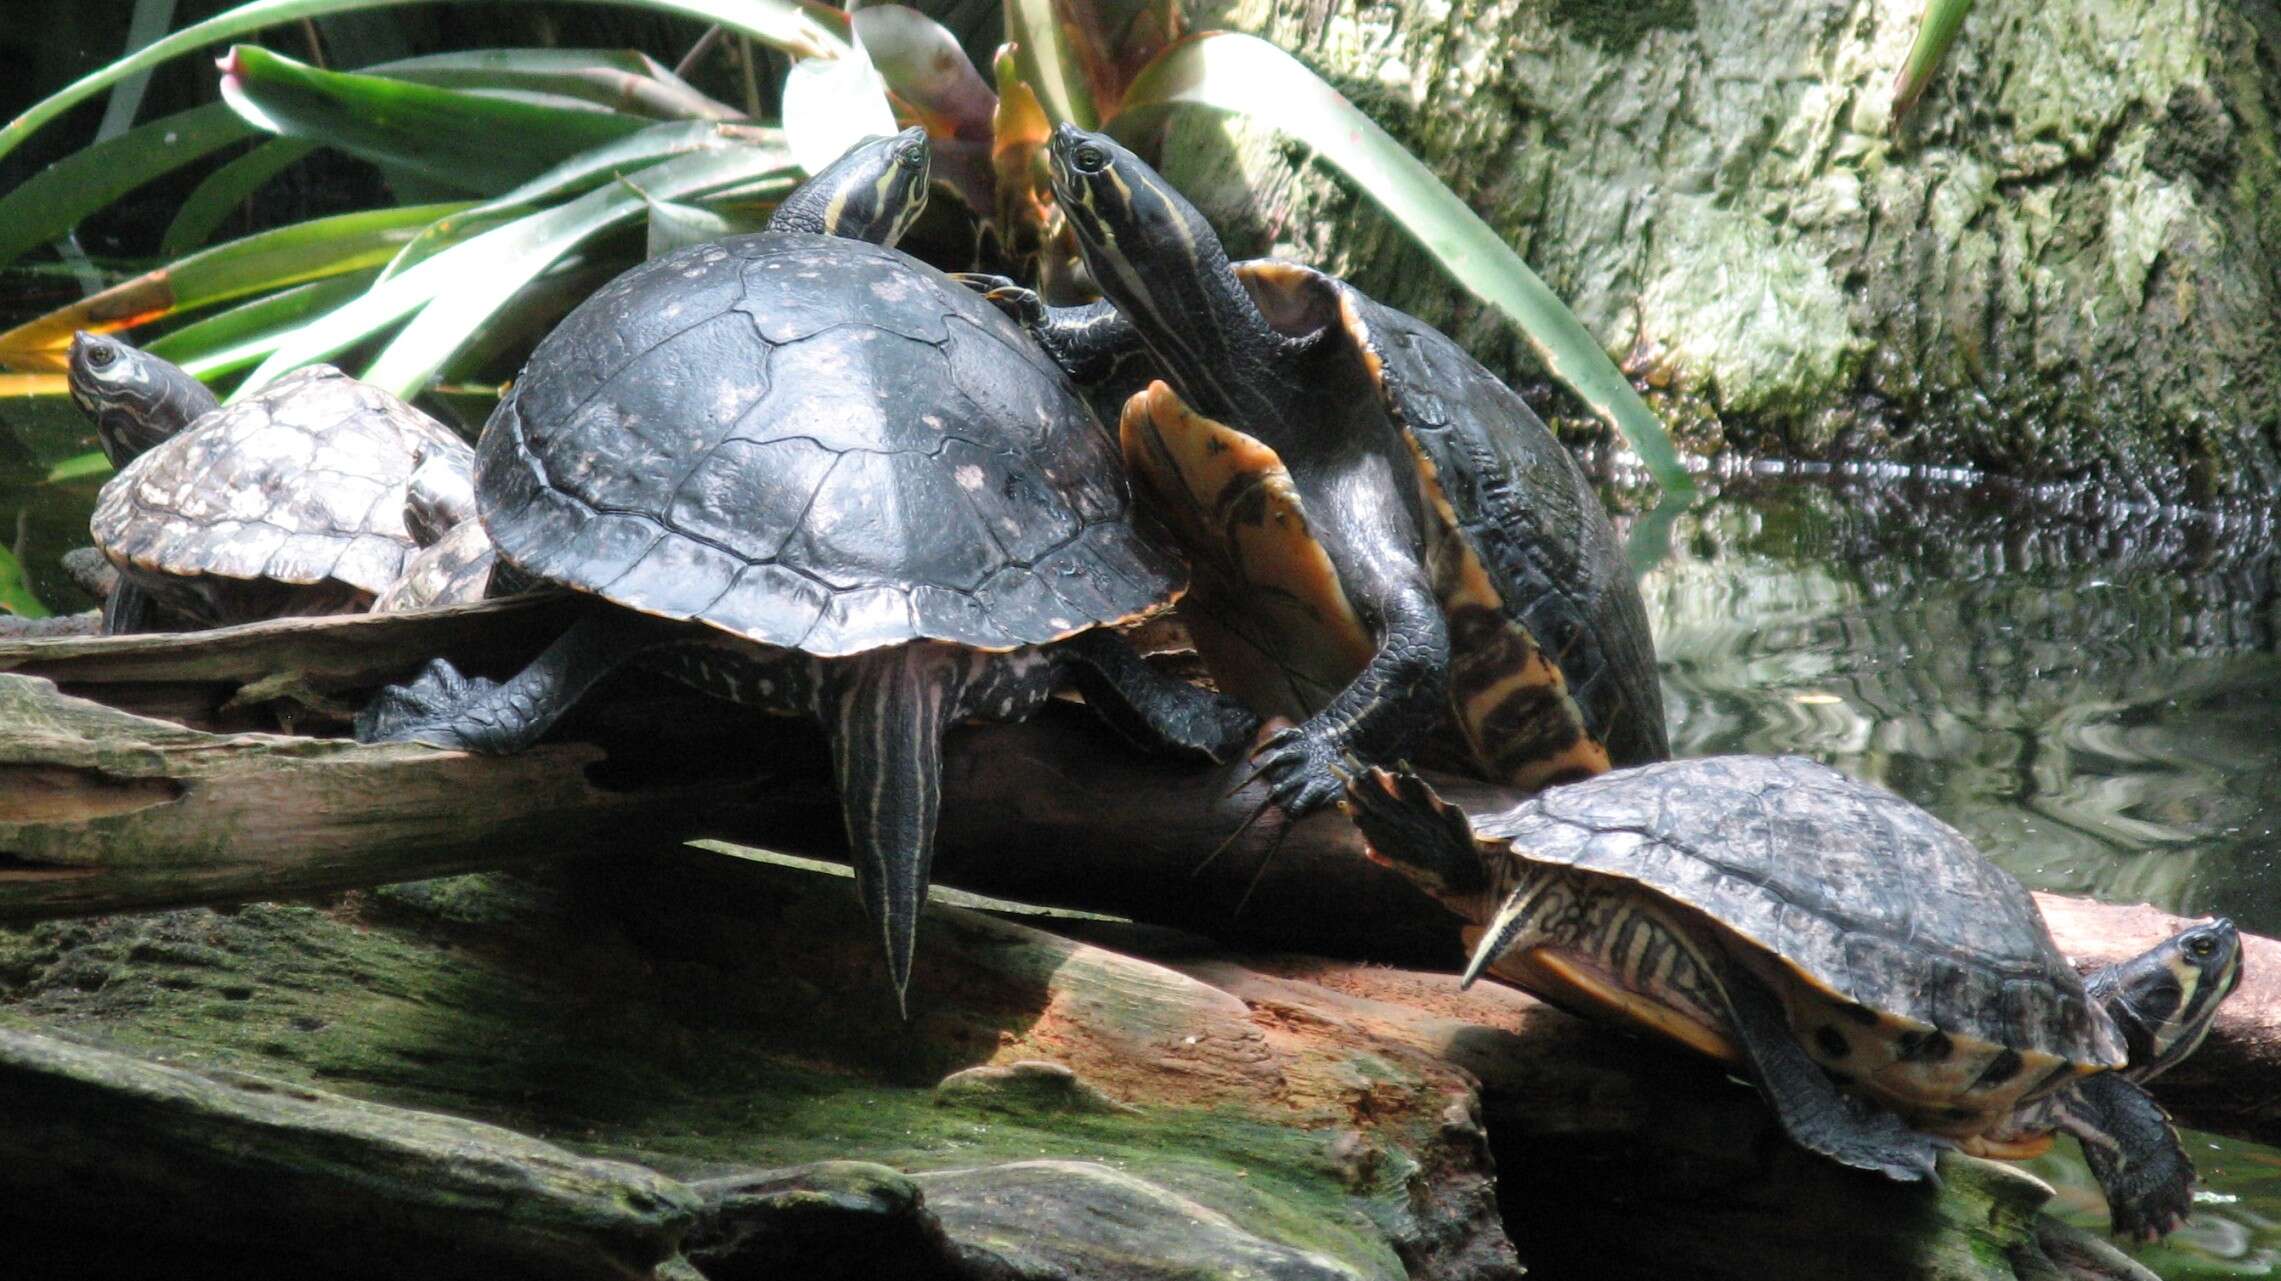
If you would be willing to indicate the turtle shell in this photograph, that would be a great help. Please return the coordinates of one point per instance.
(288, 502)
(453, 570)
(1525, 509)
(1854, 901)
(814, 443)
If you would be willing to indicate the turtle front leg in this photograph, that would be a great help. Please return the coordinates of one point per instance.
(1382, 713)
(1153, 711)
(2133, 1152)
(445, 708)
(1085, 341)
(1813, 1112)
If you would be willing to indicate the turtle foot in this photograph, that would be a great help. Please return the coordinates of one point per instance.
(1214, 727)
(1301, 769)
(440, 707)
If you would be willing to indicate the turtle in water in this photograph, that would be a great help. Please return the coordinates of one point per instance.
(811, 474)
(1390, 547)
(300, 499)
(1887, 988)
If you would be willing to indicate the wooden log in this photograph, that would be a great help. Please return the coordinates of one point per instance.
(102, 811)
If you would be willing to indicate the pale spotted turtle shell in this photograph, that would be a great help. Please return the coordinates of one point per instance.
(1846, 886)
(814, 443)
(453, 570)
(299, 486)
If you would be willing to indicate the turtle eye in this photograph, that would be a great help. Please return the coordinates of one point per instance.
(2200, 947)
(914, 158)
(1089, 159)
(100, 357)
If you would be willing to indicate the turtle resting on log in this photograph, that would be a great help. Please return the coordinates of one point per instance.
(805, 472)
(1887, 988)
(301, 499)
(1390, 548)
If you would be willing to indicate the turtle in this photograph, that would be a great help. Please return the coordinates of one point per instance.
(806, 472)
(1390, 548)
(299, 499)
(1887, 989)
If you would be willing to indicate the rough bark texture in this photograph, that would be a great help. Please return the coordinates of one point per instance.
(684, 1064)
(2062, 265)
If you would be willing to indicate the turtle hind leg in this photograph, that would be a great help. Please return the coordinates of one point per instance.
(1813, 1112)
(1153, 711)
(885, 713)
(2133, 1152)
(445, 708)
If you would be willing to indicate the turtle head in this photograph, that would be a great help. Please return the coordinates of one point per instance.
(1149, 250)
(1413, 830)
(2164, 1000)
(874, 192)
(136, 399)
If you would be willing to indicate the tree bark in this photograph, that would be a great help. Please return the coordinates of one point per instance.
(2060, 265)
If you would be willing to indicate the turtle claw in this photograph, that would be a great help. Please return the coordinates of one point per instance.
(1019, 302)
(432, 708)
(1302, 770)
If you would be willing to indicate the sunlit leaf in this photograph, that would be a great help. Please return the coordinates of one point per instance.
(240, 336)
(268, 260)
(15, 592)
(676, 224)
(456, 291)
(621, 79)
(468, 141)
(53, 200)
(929, 74)
(1241, 74)
(780, 24)
(1023, 197)
(831, 106)
(1048, 65)
(79, 467)
(1112, 41)
(1936, 31)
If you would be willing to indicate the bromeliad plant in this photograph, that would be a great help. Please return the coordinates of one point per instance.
(543, 154)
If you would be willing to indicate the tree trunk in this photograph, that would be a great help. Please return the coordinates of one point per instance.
(2060, 265)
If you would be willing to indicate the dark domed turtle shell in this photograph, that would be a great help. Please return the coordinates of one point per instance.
(815, 443)
(289, 502)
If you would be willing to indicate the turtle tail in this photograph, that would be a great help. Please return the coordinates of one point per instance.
(888, 713)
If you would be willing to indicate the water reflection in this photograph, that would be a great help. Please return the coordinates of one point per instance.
(2088, 694)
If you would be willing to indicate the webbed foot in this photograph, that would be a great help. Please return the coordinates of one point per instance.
(1301, 766)
(1020, 302)
(441, 707)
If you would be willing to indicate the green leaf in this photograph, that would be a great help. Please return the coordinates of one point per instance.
(53, 200)
(1047, 63)
(621, 79)
(457, 290)
(242, 335)
(311, 250)
(79, 467)
(468, 141)
(677, 224)
(781, 24)
(587, 170)
(1248, 76)
(224, 190)
(15, 592)
(1936, 31)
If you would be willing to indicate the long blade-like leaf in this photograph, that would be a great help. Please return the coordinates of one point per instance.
(213, 200)
(621, 79)
(1047, 63)
(456, 290)
(243, 334)
(1242, 74)
(305, 251)
(468, 141)
(53, 200)
(781, 24)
